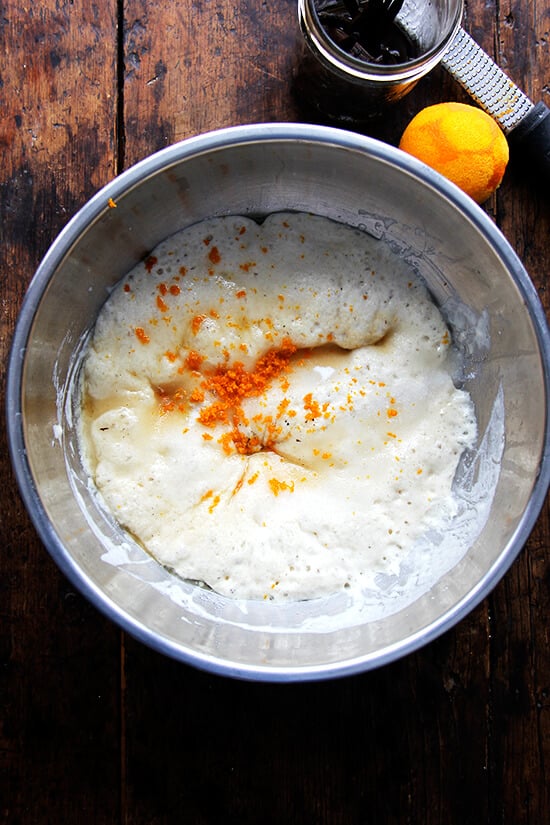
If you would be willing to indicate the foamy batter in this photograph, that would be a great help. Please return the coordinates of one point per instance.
(269, 409)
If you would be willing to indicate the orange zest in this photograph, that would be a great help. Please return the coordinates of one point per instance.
(228, 385)
(141, 335)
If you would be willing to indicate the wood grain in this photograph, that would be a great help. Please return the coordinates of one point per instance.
(519, 650)
(204, 65)
(97, 728)
(59, 744)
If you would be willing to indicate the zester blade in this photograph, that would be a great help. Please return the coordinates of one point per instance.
(485, 82)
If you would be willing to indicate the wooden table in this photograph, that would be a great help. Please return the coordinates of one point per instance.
(96, 728)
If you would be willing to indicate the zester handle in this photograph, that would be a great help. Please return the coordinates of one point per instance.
(526, 125)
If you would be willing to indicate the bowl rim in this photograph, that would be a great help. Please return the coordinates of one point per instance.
(207, 142)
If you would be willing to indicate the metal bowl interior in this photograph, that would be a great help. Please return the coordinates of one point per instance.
(475, 277)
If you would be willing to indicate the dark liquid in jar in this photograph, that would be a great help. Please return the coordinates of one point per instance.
(367, 30)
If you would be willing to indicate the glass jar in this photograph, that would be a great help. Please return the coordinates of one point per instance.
(345, 88)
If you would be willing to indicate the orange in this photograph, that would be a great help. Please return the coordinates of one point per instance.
(461, 142)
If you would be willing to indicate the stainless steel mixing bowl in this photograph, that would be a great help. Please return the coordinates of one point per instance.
(482, 288)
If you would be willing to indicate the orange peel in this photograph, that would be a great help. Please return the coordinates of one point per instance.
(461, 142)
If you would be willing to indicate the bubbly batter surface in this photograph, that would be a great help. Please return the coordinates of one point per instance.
(269, 409)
